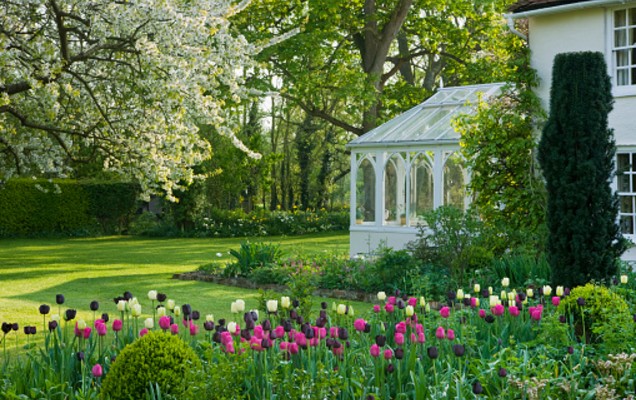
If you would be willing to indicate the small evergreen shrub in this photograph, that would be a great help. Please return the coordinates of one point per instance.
(155, 358)
(602, 319)
(250, 256)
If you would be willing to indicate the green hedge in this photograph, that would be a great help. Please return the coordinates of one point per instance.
(64, 207)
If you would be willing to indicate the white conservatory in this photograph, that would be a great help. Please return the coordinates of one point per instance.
(408, 166)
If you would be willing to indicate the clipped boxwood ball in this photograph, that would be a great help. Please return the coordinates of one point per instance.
(599, 316)
(155, 358)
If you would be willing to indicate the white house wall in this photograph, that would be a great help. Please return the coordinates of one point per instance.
(578, 30)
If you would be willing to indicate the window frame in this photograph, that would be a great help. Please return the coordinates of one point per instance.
(611, 56)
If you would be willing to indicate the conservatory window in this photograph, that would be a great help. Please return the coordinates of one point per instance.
(454, 181)
(624, 46)
(394, 191)
(365, 188)
(626, 176)
(422, 187)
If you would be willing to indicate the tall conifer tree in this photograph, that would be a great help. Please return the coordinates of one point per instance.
(576, 153)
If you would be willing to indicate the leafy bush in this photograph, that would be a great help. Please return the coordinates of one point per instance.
(603, 319)
(155, 358)
(252, 255)
(452, 239)
(149, 224)
(393, 269)
(522, 270)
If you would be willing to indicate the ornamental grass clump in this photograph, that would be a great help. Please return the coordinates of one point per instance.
(157, 359)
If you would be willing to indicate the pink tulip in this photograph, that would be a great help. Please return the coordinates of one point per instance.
(337, 350)
(473, 302)
(117, 325)
(400, 327)
(258, 332)
(87, 332)
(444, 312)
(313, 342)
(374, 350)
(97, 371)
(440, 333)
(280, 331)
(320, 332)
(301, 339)
(419, 328)
(229, 347)
(333, 331)
(556, 300)
(101, 329)
(420, 337)
(389, 308)
(498, 310)
(399, 338)
(255, 343)
(536, 314)
(293, 348)
(514, 311)
(283, 346)
(194, 329)
(376, 308)
(359, 324)
(164, 322)
(450, 334)
(412, 301)
(413, 337)
(143, 332)
(174, 329)
(98, 321)
(482, 313)
(388, 354)
(391, 300)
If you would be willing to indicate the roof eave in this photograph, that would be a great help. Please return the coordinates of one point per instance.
(564, 8)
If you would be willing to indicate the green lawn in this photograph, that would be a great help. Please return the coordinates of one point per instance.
(33, 271)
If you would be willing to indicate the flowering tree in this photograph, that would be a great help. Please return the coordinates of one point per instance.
(122, 83)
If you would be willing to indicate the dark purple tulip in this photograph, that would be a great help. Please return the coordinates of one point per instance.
(254, 315)
(370, 397)
(266, 343)
(432, 352)
(452, 295)
(94, 306)
(208, 325)
(566, 291)
(300, 320)
(33, 330)
(15, 326)
(399, 353)
(186, 309)
(105, 317)
(502, 372)
(310, 333)
(390, 368)
(562, 319)
(367, 328)
(287, 325)
(27, 330)
(293, 314)
(127, 296)
(458, 349)
(70, 314)
(489, 318)
(80, 355)
(221, 321)
(196, 315)
(485, 293)
(323, 314)
(324, 305)
(380, 340)
(272, 335)
(321, 322)
(249, 325)
(571, 350)
(161, 297)
(522, 297)
(52, 325)
(580, 301)
(59, 299)
(477, 388)
(466, 302)
(398, 293)
(45, 309)
(267, 325)
(342, 333)
(216, 337)
(245, 334)
(329, 342)
(295, 303)
(634, 317)
(400, 304)
(336, 344)
(6, 327)
(118, 299)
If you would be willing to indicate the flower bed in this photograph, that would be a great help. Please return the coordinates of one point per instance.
(504, 343)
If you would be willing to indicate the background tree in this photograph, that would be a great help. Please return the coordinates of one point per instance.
(122, 84)
(576, 153)
(498, 142)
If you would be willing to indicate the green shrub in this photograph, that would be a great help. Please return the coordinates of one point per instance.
(155, 358)
(149, 224)
(521, 269)
(454, 240)
(393, 269)
(252, 255)
(604, 319)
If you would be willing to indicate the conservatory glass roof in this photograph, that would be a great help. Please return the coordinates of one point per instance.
(430, 121)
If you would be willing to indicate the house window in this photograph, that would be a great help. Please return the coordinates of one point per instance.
(365, 191)
(626, 165)
(454, 181)
(422, 187)
(624, 46)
